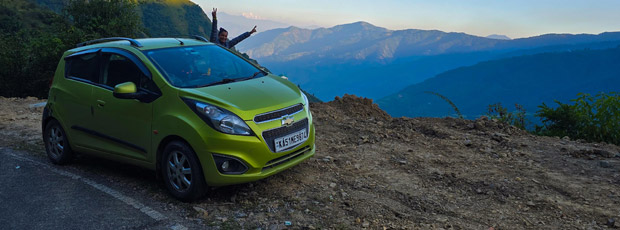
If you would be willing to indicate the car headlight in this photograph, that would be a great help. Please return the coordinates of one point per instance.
(220, 119)
(307, 104)
(305, 98)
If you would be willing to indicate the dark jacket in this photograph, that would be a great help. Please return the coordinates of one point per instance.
(229, 43)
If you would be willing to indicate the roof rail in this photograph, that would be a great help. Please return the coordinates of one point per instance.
(132, 41)
(201, 38)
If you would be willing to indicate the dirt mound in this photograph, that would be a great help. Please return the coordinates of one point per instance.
(355, 107)
(377, 172)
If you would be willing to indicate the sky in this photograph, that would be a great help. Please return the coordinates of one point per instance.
(513, 18)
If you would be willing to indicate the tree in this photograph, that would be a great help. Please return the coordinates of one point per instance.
(104, 18)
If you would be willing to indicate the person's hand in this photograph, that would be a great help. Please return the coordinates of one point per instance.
(253, 30)
(214, 13)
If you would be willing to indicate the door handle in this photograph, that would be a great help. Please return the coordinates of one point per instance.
(100, 103)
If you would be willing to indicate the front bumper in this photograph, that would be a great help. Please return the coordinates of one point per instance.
(254, 153)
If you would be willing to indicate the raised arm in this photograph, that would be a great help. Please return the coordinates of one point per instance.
(214, 26)
(241, 37)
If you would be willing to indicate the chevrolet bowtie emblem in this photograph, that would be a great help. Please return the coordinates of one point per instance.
(286, 121)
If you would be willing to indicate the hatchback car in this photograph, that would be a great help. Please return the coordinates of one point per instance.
(196, 113)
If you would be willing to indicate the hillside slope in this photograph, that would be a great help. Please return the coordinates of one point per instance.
(166, 18)
(374, 171)
(527, 80)
(160, 18)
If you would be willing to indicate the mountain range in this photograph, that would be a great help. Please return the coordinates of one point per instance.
(236, 25)
(375, 62)
(528, 80)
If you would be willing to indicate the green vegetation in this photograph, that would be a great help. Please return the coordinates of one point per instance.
(31, 41)
(516, 118)
(592, 118)
(104, 18)
(33, 38)
(165, 18)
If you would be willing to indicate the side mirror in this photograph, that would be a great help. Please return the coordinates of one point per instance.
(127, 90)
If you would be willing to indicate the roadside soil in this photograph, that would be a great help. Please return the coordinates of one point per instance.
(378, 172)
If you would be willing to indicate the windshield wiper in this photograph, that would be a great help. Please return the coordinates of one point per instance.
(229, 80)
(223, 81)
(253, 75)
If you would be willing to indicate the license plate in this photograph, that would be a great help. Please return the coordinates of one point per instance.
(290, 140)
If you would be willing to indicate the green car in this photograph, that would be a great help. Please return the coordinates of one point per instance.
(196, 113)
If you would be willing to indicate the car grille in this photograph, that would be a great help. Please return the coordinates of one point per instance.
(272, 134)
(278, 113)
(286, 158)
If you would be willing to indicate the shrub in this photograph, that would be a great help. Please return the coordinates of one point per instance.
(516, 118)
(592, 118)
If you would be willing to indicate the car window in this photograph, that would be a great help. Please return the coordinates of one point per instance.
(84, 67)
(119, 69)
(197, 66)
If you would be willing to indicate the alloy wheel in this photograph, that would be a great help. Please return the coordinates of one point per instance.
(179, 171)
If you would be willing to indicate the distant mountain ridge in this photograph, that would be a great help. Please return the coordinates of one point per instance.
(498, 36)
(364, 41)
(371, 61)
(528, 80)
(236, 25)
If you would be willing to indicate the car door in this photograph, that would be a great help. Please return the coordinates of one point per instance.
(72, 98)
(124, 124)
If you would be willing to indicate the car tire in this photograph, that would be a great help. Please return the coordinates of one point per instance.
(182, 172)
(56, 143)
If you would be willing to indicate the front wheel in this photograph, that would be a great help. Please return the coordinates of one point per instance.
(56, 143)
(182, 172)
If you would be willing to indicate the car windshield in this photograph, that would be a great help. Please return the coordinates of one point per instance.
(201, 66)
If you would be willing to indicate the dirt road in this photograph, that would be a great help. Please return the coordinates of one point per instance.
(374, 171)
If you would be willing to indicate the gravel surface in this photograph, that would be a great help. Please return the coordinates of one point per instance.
(378, 172)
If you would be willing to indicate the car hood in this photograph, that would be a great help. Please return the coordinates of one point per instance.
(250, 97)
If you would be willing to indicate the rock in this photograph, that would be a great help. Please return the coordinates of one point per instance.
(530, 203)
(611, 222)
(365, 224)
(201, 212)
(332, 185)
(471, 126)
(604, 164)
(240, 215)
(467, 143)
(604, 153)
(402, 162)
(566, 138)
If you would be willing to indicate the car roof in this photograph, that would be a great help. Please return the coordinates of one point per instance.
(145, 44)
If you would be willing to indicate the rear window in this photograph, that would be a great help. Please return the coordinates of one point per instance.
(200, 66)
(83, 67)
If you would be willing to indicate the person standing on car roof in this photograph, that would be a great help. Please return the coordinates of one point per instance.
(221, 37)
